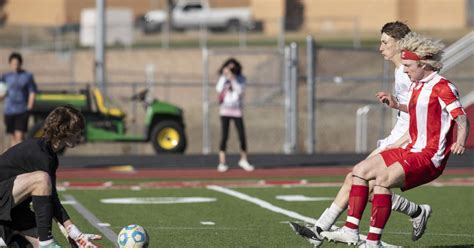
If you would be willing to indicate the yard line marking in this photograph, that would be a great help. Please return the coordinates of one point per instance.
(271, 207)
(209, 223)
(261, 203)
(92, 219)
(302, 198)
(68, 202)
(157, 200)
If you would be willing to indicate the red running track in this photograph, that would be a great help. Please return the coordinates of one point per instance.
(115, 173)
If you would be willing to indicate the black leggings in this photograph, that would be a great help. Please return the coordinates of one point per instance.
(239, 124)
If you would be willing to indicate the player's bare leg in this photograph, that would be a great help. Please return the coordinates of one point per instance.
(29, 184)
(385, 178)
(37, 185)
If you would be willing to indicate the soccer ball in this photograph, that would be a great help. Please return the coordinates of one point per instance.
(132, 236)
(3, 89)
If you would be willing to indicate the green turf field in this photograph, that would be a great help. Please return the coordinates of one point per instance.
(240, 223)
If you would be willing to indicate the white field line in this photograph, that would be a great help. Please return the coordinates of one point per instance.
(271, 207)
(92, 219)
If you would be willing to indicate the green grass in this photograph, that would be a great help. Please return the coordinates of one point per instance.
(243, 224)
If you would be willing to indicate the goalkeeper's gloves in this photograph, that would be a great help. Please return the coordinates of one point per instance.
(82, 240)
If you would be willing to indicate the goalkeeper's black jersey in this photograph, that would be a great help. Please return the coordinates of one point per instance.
(29, 156)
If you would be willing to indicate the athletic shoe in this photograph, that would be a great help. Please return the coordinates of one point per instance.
(419, 223)
(371, 245)
(244, 164)
(312, 236)
(52, 245)
(222, 168)
(342, 234)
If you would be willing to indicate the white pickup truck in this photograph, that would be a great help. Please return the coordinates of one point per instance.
(194, 14)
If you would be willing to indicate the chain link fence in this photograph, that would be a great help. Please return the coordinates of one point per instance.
(346, 79)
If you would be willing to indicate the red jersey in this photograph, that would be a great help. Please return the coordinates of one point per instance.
(433, 106)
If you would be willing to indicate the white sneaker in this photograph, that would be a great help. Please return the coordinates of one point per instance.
(244, 164)
(343, 234)
(222, 168)
(419, 223)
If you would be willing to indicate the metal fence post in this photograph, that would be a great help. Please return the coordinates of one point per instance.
(150, 82)
(361, 129)
(100, 30)
(294, 96)
(203, 35)
(205, 102)
(311, 91)
(281, 34)
(286, 90)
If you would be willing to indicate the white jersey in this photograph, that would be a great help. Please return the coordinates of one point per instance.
(401, 89)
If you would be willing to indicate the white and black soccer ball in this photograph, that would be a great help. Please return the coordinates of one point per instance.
(3, 89)
(132, 236)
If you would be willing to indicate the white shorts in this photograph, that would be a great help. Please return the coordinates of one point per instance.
(400, 128)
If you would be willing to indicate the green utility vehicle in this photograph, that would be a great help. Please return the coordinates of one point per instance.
(164, 126)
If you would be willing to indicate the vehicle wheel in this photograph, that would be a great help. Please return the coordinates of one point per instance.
(233, 26)
(168, 137)
(37, 131)
(151, 28)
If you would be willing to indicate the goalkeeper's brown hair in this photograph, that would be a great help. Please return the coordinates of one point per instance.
(62, 122)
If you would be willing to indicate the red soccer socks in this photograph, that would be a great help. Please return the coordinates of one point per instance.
(381, 209)
(358, 197)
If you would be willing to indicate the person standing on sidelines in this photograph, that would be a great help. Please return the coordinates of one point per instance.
(391, 33)
(230, 88)
(19, 98)
(434, 109)
(28, 175)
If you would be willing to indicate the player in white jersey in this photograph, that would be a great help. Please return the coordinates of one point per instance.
(400, 89)
(390, 34)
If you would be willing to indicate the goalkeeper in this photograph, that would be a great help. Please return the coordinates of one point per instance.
(28, 174)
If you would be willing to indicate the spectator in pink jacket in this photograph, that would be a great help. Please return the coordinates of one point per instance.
(230, 88)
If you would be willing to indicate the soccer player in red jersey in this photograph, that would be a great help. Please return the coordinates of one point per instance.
(434, 109)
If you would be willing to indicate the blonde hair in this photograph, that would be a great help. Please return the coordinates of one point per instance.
(429, 50)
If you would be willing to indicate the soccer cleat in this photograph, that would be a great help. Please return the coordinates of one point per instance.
(342, 235)
(222, 168)
(311, 236)
(419, 223)
(244, 164)
(371, 245)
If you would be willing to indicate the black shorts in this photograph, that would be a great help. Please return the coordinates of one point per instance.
(13, 218)
(17, 122)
